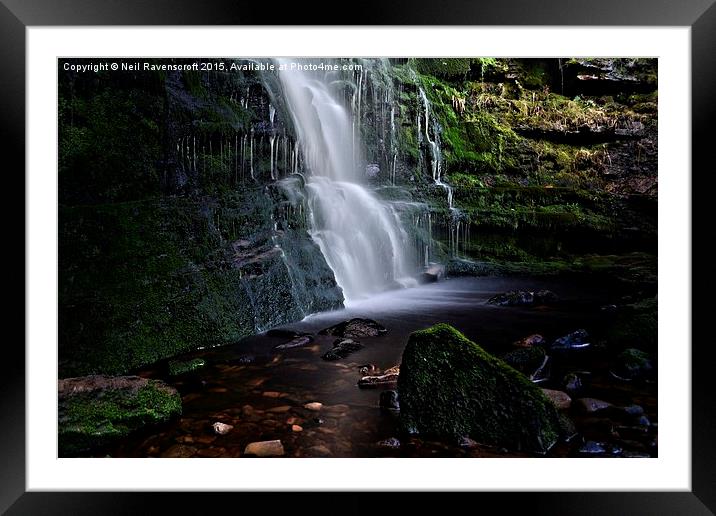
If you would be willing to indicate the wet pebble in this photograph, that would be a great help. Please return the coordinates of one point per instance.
(590, 405)
(273, 394)
(391, 442)
(179, 451)
(296, 428)
(314, 406)
(279, 410)
(319, 450)
(265, 448)
(559, 399)
(211, 452)
(592, 448)
(222, 428)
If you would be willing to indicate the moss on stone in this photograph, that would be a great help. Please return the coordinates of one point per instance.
(450, 387)
(179, 367)
(93, 419)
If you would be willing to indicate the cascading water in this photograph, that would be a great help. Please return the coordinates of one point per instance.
(361, 237)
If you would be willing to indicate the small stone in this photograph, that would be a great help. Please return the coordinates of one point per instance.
(591, 405)
(576, 340)
(222, 428)
(391, 442)
(296, 428)
(272, 394)
(560, 399)
(279, 410)
(319, 450)
(572, 383)
(179, 451)
(466, 442)
(592, 448)
(265, 449)
(531, 340)
(314, 406)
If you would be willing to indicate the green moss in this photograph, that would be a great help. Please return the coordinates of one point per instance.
(89, 420)
(178, 367)
(450, 387)
(636, 325)
(526, 360)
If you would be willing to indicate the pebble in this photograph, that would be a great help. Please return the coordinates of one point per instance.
(296, 428)
(279, 410)
(265, 448)
(273, 394)
(179, 451)
(222, 428)
(592, 448)
(319, 450)
(314, 406)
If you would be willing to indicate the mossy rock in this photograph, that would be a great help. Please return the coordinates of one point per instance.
(450, 387)
(636, 325)
(633, 364)
(95, 411)
(179, 367)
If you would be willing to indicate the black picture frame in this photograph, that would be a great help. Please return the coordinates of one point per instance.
(699, 15)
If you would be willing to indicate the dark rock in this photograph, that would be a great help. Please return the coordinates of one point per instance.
(566, 427)
(281, 333)
(633, 364)
(467, 443)
(457, 267)
(545, 297)
(609, 309)
(527, 361)
(246, 359)
(560, 399)
(391, 442)
(367, 369)
(512, 298)
(590, 405)
(450, 387)
(592, 448)
(432, 273)
(94, 411)
(576, 340)
(389, 400)
(296, 342)
(342, 348)
(355, 328)
(572, 383)
(531, 340)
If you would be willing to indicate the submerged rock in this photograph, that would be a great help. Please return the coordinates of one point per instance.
(632, 364)
(433, 273)
(355, 328)
(265, 449)
(94, 411)
(450, 387)
(341, 349)
(314, 406)
(391, 442)
(303, 340)
(590, 405)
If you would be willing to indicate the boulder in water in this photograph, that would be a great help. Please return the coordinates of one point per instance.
(512, 298)
(355, 328)
(632, 364)
(434, 272)
(450, 387)
(342, 348)
(576, 340)
(531, 340)
(528, 361)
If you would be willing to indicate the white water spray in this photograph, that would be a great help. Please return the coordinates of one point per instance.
(360, 236)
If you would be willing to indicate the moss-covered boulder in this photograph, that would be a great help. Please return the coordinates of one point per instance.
(179, 367)
(450, 387)
(94, 411)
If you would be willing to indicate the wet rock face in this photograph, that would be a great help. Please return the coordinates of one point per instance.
(527, 361)
(450, 387)
(355, 328)
(95, 411)
(576, 340)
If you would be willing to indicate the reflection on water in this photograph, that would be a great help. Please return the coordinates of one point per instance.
(262, 391)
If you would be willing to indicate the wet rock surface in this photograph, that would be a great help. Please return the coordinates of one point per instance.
(342, 348)
(355, 328)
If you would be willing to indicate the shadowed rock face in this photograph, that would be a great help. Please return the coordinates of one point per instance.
(450, 387)
(355, 328)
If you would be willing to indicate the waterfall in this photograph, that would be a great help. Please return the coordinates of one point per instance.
(360, 236)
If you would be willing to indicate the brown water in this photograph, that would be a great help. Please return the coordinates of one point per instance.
(262, 392)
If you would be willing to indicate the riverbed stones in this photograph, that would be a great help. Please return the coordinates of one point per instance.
(342, 348)
(590, 405)
(450, 387)
(355, 328)
(315, 406)
(96, 410)
(512, 298)
(296, 428)
(265, 448)
(391, 442)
